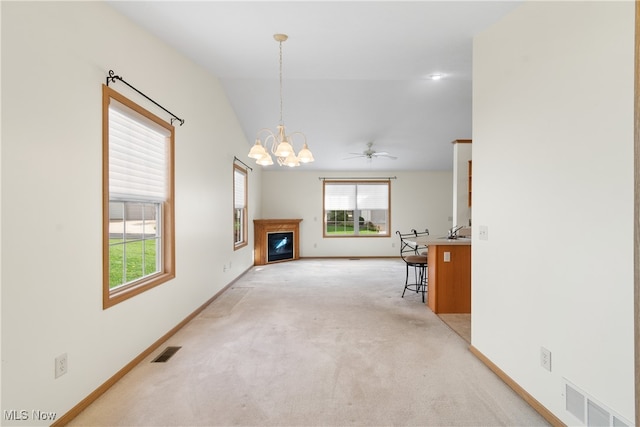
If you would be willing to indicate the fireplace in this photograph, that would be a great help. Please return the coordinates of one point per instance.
(276, 240)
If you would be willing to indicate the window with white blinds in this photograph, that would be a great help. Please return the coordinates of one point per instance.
(138, 198)
(356, 209)
(239, 207)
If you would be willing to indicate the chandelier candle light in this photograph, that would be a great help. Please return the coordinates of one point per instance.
(281, 143)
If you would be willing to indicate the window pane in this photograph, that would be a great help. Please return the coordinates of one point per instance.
(133, 221)
(340, 222)
(151, 259)
(238, 226)
(151, 227)
(116, 257)
(373, 221)
(133, 260)
(116, 220)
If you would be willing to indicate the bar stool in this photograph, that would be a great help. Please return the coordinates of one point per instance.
(409, 252)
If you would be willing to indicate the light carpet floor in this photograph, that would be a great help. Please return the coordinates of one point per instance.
(314, 343)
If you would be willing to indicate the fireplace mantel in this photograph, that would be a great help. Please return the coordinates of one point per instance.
(263, 226)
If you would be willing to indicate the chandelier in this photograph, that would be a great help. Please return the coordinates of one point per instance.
(281, 144)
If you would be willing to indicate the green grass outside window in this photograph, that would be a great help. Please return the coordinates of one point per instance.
(137, 266)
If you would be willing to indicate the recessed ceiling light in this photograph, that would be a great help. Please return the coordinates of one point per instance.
(435, 76)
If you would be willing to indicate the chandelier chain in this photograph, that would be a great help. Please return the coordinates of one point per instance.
(281, 121)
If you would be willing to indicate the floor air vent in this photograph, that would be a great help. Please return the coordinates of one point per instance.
(589, 411)
(166, 354)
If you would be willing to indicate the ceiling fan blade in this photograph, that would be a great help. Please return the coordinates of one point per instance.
(387, 156)
(354, 157)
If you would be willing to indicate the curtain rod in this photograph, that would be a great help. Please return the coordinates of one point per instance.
(235, 159)
(329, 178)
(112, 77)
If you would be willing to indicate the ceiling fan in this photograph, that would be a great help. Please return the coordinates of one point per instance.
(370, 153)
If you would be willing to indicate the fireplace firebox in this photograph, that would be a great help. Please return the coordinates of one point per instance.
(279, 246)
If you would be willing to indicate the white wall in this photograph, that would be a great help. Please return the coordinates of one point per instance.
(461, 208)
(55, 57)
(418, 200)
(553, 182)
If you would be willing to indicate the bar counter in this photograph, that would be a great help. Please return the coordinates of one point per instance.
(449, 274)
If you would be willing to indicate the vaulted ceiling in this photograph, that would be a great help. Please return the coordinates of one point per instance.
(353, 72)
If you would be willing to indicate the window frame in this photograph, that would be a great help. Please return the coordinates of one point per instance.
(356, 183)
(167, 209)
(238, 244)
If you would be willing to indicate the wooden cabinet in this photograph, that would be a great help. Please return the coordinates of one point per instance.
(449, 286)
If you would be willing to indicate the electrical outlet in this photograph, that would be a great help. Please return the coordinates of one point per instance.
(545, 358)
(61, 365)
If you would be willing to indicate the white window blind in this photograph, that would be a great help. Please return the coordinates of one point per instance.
(373, 196)
(339, 197)
(137, 157)
(238, 189)
(356, 196)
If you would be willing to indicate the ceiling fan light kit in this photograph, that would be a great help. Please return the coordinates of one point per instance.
(281, 144)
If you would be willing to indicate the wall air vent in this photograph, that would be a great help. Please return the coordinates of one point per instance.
(588, 410)
(166, 354)
(574, 402)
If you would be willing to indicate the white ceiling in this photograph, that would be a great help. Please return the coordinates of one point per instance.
(353, 72)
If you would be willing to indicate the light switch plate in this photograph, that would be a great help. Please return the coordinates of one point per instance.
(447, 257)
(483, 232)
(545, 358)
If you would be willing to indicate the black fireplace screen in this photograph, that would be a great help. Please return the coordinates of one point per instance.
(279, 246)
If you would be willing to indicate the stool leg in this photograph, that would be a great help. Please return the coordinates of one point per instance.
(426, 279)
(406, 279)
(423, 280)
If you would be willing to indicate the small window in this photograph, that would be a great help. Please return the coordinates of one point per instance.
(356, 209)
(239, 207)
(138, 193)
